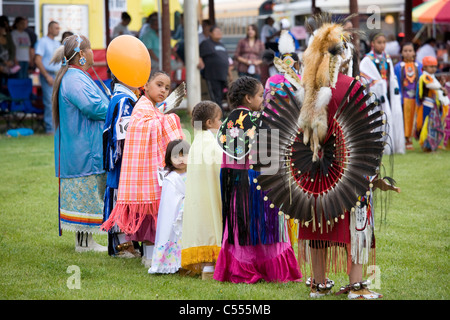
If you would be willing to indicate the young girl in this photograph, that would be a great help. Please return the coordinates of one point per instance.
(149, 132)
(255, 241)
(378, 72)
(433, 100)
(167, 253)
(408, 72)
(202, 217)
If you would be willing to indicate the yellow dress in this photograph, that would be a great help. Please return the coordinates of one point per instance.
(202, 217)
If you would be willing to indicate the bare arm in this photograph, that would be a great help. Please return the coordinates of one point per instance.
(40, 66)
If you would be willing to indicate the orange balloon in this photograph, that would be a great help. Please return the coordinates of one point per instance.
(129, 60)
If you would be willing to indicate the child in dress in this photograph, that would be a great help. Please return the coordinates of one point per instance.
(167, 252)
(255, 243)
(378, 73)
(202, 221)
(433, 101)
(149, 132)
(408, 72)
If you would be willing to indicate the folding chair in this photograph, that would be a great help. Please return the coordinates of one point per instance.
(20, 91)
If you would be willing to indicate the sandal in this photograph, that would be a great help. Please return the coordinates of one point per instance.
(359, 290)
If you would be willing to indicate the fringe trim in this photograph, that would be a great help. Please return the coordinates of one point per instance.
(361, 240)
(333, 254)
(129, 217)
(194, 258)
(245, 212)
(336, 257)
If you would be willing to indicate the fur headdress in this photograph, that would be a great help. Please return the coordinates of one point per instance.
(328, 51)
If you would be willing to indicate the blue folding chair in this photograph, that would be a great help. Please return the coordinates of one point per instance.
(20, 91)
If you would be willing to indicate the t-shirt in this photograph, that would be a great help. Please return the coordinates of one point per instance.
(215, 57)
(266, 32)
(151, 40)
(22, 42)
(46, 47)
(119, 30)
(424, 51)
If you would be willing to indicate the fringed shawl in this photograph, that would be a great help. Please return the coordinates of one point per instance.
(148, 134)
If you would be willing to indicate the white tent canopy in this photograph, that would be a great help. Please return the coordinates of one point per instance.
(339, 6)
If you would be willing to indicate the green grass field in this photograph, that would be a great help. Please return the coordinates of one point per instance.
(35, 262)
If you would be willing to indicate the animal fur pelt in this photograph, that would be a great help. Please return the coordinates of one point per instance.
(327, 52)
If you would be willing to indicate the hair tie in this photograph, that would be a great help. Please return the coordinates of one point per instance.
(64, 61)
(79, 40)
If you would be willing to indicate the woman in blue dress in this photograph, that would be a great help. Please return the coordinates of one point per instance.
(79, 111)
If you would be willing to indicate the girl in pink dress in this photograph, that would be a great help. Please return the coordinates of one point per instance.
(255, 243)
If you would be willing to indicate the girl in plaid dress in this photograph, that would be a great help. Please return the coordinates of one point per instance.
(149, 132)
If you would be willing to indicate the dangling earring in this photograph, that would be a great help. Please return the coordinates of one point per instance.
(82, 61)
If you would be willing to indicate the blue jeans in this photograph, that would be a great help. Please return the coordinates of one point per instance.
(47, 91)
(23, 72)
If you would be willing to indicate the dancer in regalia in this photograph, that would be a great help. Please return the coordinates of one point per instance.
(433, 108)
(290, 58)
(377, 71)
(331, 149)
(408, 72)
(149, 132)
(202, 217)
(256, 244)
(79, 110)
(119, 112)
(166, 256)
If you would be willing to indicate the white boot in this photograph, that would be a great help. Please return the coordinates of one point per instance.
(147, 255)
(85, 242)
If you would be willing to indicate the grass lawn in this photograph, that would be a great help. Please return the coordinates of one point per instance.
(412, 255)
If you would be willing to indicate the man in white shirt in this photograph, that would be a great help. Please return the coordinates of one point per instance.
(45, 48)
(426, 50)
(268, 32)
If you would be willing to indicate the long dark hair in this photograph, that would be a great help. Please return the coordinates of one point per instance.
(174, 148)
(66, 52)
(255, 28)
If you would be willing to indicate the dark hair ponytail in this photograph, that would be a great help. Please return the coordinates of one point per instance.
(241, 87)
(203, 111)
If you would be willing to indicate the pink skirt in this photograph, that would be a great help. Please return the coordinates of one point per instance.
(249, 264)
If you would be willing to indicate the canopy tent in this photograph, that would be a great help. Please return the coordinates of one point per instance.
(433, 11)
